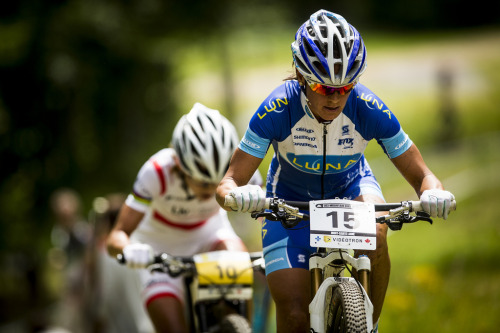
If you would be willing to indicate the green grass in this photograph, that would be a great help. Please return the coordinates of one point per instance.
(445, 277)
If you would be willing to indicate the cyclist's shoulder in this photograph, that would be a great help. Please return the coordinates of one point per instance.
(156, 175)
(369, 113)
(365, 101)
(164, 157)
(281, 98)
(161, 162)
(280, 109)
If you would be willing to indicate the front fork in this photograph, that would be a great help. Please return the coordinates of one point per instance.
(319, 261)
(319, 285)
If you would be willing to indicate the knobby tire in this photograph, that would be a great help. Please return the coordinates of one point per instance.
(234, 323)
(345, 309)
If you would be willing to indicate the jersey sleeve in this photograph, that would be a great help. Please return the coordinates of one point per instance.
(253, 144)
(396, 145)
(380, 123)
(268, 123)
(146, 186)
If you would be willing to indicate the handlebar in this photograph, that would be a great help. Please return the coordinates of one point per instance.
(288, 212)
(416, 206)
(177, 265)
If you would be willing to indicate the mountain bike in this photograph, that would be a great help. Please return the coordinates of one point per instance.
(218, 287)
(337, 228)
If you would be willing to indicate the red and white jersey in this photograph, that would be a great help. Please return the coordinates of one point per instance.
(174, 216)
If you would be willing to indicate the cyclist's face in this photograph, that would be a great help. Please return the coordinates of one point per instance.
(201, 190)
(325, 108)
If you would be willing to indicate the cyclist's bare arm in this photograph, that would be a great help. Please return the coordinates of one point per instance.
(241, 169)
(415, 171)
(127, 222)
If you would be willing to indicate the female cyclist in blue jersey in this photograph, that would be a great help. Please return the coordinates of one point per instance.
(319, 124)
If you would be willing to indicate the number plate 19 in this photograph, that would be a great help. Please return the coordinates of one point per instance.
(344, 224)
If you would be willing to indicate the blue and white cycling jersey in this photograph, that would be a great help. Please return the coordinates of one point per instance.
(316, 160)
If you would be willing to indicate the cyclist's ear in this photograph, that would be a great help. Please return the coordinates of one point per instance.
(300, 78)
(177, 161)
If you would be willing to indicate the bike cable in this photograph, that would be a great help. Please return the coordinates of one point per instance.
(355, 278)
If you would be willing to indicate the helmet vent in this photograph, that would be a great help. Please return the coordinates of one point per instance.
(319, 67)
(301, 66)
(194, 151)
(336, 48)
(351, 40)
(197, 135)
(183, 139)
(323, 31)
(321, 47)
(212, 121)
(311, 32)
(181, 157)
(309, 50)
(200, 122)
(201, 168)
(216, 155)
(341, 31)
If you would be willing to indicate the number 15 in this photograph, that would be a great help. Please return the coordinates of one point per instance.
(350, 221)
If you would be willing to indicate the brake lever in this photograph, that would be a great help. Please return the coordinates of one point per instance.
(271, 216)
(395, 223)
(157, 268)
(423, 216)
(281, 216)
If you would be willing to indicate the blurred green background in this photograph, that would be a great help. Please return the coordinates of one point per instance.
(90, 89)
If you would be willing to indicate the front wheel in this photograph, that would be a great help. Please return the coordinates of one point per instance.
(345, 309)
(234, 323)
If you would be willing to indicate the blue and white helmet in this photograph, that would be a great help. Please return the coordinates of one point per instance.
(328, 50)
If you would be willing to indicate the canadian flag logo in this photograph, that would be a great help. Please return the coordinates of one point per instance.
(367, 240)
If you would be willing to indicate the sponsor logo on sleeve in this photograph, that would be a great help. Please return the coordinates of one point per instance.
(251, 144)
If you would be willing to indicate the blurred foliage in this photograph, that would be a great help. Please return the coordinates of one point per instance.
(88, 87)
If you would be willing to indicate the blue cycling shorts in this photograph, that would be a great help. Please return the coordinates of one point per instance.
(289, 248)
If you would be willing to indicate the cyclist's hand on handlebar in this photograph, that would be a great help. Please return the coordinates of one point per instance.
(249, 198)
(437, 202)
(138, 255)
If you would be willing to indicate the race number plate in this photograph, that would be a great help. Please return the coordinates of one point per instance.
(224, 267)
(344, 224)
